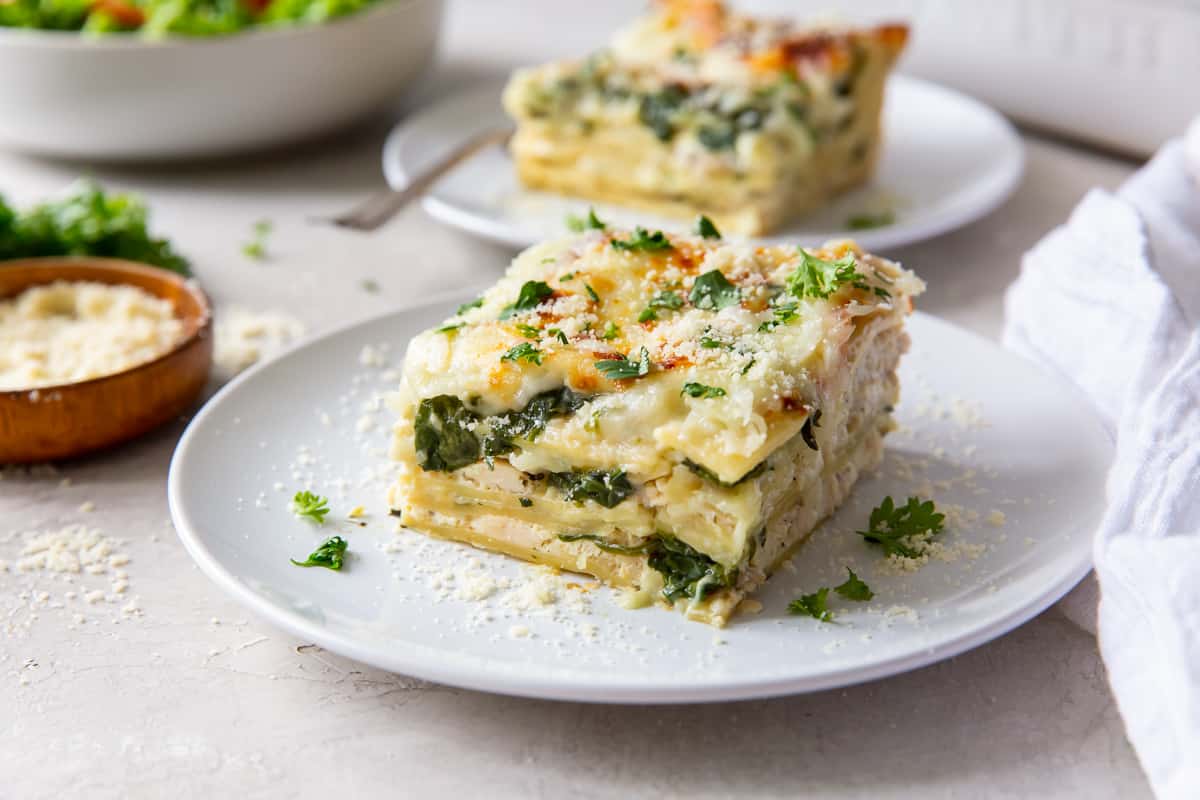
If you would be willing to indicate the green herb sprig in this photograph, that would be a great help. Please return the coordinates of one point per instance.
(616, 369)
(310, 505)
(713, 291)
(330, 555)
(897, 528)
(644, 241)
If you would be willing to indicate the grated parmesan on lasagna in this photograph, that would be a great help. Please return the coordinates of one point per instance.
(672, 414)
(694, 109)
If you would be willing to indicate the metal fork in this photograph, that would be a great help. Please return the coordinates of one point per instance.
(381, 207)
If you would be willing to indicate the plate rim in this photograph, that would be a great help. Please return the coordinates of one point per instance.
(1006, 182)
(463, 675)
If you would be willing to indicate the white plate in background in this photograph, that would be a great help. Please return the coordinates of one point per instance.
(947, 160)
(1015, 458)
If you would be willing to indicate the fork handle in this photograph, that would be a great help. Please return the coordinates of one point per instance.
(381, 207)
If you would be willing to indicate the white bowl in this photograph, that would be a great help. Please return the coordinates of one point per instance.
(123, 98)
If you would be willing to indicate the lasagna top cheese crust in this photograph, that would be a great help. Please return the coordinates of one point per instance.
(737, 359)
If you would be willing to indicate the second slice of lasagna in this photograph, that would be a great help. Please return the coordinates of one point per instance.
(695, 109)
(672, 414)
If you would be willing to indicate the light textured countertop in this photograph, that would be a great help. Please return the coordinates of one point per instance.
(193, 698)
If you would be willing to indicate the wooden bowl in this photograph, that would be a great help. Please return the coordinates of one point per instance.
(68, 420)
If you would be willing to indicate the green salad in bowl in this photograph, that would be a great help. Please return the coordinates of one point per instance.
(159, 18)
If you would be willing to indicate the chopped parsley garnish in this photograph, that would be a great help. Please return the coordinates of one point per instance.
(854, 589)
(465, 307)
(606, 487)
(580, 224)
(525, 502)
(443, 437)
(566, 276)
(611, 331)
(313, 506)
(523, 352)
(812, 605)
(528, 331)
(818, 278)
(531, 296)
(591, 293)
(616, 369)
(699, 390)
(706, 228)
(784, 313)
(557, 334)
(256, 248)
(897, 528)
(708, 342)
(863, 222)
(643, 240)
(713, 291)
(369, 286)
(329, 555)
(664, 299)
(449, 326)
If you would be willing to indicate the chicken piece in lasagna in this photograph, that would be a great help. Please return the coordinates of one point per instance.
(694, 109)
(672, 414)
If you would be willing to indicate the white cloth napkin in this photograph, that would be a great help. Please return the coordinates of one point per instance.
(1111, 302)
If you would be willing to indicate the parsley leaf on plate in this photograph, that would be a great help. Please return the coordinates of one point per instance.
(313, 506)
(449, 327)
(329, 555)
(812, 605)
(713, 291)
(854, 589)
(897, 528)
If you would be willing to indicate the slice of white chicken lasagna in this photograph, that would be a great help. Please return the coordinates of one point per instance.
(695, 109)
(672, 414)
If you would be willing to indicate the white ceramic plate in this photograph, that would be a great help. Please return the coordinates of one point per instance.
(984, 434)
(947, 160)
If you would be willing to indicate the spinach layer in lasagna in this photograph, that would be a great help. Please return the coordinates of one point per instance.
(694, 109)
(673, 414)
